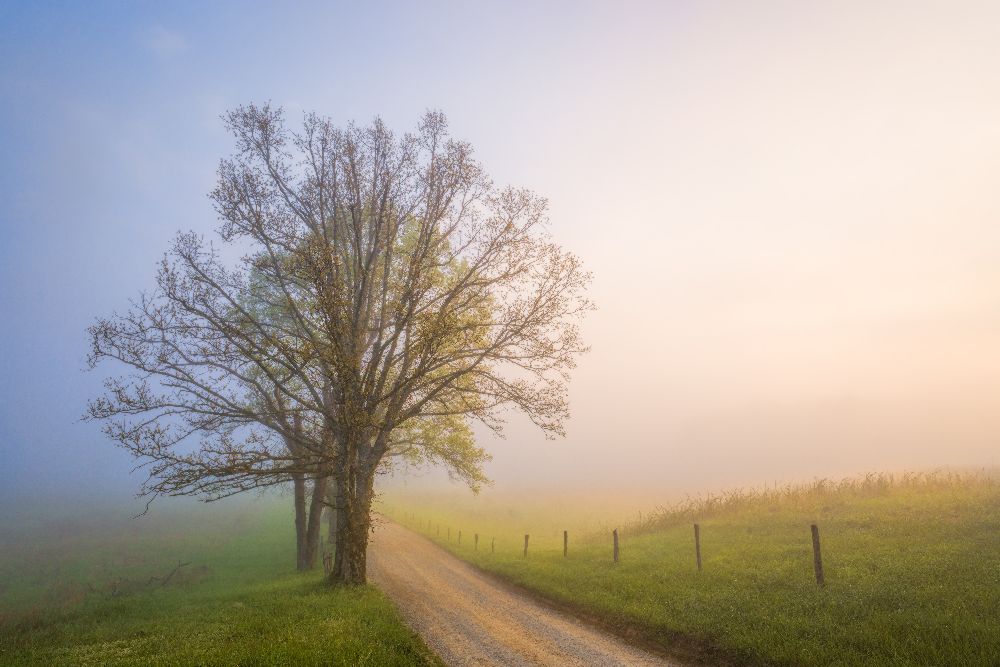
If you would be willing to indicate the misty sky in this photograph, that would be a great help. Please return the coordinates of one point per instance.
(791, 210)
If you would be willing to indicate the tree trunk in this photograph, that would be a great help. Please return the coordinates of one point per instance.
(350, 564)
(301, 550)
(353, 506)
(331, 510)
(315, 521)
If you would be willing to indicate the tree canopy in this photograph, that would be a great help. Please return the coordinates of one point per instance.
(388, 296)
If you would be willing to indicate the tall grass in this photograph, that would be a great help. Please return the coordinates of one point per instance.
(811, 499)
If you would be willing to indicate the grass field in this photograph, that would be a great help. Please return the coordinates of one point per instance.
(95, 591)
(912, 569)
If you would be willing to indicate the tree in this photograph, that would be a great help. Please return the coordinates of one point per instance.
(389, 296)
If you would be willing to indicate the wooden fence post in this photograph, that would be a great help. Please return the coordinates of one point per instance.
(526, 546)
(615, 534)
(460, 537)
(476, 545)
(697, 545)
(449, 533)
(817, 558)
(565, 543)
(493, 545)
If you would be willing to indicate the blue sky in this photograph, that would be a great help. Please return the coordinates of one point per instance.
(110, 132)
(788, 208)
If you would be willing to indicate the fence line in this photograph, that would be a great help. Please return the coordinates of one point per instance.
(616, 535)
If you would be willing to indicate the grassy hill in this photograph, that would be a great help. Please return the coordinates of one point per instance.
(99, 591)
(912, 567)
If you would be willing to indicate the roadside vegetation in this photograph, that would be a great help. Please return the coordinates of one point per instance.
(202, 585)
(912, 569)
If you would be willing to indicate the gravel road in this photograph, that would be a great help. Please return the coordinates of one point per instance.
(468, 618)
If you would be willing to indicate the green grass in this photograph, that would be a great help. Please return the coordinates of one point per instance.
(912, 568)
(91, 594)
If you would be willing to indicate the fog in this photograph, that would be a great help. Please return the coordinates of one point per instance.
(790, 212)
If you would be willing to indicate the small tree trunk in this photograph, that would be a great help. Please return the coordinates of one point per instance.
(315, 521)
(331, 511)
(301, 550)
